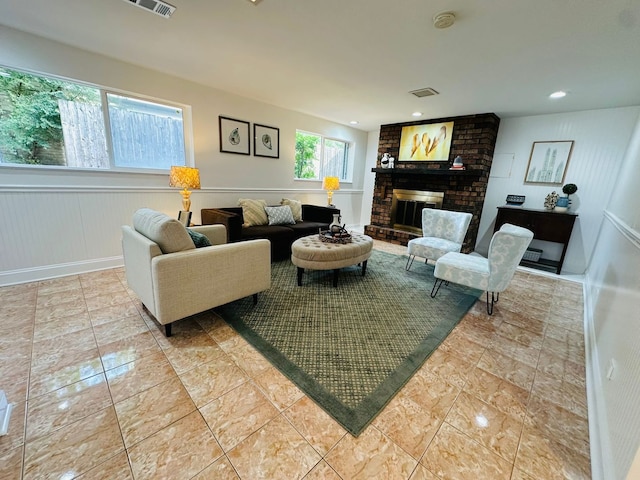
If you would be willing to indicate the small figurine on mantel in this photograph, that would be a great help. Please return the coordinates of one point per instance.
(457, 164)
(386, 161)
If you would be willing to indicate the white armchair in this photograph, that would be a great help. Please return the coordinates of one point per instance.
(492, 274)
(442, 231)
(174, 280)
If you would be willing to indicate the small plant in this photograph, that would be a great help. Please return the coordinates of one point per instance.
(569, 189)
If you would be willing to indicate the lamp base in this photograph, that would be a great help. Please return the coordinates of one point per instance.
(330, 198)
(186, 199)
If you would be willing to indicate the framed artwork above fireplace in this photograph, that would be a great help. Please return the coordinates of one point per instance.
(429, 142)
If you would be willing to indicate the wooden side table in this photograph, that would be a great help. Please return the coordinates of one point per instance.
(545, 225)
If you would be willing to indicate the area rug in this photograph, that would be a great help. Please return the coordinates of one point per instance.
(351, 348)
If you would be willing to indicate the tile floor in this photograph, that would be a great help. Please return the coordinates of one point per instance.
(100, 393)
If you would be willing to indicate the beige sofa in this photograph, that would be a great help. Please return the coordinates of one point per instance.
(174, 279)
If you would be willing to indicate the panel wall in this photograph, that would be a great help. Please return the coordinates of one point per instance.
(600, 137)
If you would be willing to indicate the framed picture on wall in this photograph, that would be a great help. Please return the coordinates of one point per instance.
(548, 162)
(234, 136)
(429, 142)
(266, 141)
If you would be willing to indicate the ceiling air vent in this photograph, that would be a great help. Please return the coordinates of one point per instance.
(156, 6)
(424, 92)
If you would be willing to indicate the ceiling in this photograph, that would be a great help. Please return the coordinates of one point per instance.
(346, 60)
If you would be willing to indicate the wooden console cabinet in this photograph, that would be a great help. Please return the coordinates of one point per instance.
(545, 225)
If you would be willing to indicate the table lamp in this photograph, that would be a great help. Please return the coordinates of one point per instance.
(330, 184)
(185, 177)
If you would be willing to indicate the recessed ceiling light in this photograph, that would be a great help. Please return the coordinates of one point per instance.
(417, 114)
(354, 122)
(558, 94)
(255, 2)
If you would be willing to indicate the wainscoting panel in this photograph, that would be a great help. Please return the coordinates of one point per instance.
(61, 231)
(51, 231)
(613, 351)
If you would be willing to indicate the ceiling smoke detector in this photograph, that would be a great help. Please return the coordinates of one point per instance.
(424, 92)
(444, 20)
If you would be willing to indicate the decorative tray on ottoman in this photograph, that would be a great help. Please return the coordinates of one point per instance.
(335, 237)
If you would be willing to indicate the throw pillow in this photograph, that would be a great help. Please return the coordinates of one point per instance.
(280, 215)
(296, 208)
(170, 235)
(199, 239)
(253, 212)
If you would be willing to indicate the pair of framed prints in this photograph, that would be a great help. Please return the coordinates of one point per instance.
(235, 138)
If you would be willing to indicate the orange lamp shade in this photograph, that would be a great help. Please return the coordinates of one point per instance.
(330, 184)
(185, 178)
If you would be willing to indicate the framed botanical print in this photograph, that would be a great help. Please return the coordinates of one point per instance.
(234, 136)
(548, 162)
(266, 141)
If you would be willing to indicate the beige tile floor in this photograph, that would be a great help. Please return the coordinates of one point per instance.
(100, 393)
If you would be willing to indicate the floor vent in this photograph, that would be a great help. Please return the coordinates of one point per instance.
(424, 92)
(156, 6)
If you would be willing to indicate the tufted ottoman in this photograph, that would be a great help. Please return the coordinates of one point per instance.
(312, 253)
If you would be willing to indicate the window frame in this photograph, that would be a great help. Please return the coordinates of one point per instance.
(348, 168)
(187, 127)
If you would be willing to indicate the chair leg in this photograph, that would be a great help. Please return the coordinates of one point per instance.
(494, 299)
(409, 261)
(255, 298)
(436, 287)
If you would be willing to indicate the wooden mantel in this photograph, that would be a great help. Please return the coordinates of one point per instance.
(428, 171)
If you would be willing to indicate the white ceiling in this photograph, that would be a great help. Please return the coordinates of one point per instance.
(349, 60)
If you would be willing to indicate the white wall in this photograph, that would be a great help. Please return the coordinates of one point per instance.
(613, 326)
(55, 222)
(369, 177)
(600, 139)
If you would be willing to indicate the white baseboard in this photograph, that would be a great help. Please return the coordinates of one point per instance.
(28, 275)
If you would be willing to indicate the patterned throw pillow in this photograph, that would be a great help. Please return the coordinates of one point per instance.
(253, 212)
(199, 239)
(280, 215)
(296, 208)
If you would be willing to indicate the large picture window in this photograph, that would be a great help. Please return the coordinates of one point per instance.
(48, 121)
(318, 157)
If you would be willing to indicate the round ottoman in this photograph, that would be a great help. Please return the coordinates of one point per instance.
(312, 253)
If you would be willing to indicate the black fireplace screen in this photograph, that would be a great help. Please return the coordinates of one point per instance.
(407, 205)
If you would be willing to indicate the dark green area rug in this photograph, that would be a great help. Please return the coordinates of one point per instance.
(351, 348)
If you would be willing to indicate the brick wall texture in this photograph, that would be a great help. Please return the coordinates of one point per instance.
(473, 138)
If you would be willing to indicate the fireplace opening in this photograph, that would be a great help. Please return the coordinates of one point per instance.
(407, 205)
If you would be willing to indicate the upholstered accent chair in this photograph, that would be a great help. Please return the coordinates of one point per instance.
(443, 231)
(174, 279)
(492, 274)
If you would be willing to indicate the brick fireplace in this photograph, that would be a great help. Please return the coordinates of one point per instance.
(473, 138)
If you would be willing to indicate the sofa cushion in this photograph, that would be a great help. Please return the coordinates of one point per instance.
(170, 235)
(296, 208)
(280, 215)
(253, 212)
(302, 229)
(199, 239)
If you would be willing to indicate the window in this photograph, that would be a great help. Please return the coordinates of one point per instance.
(318, 157)
(47, 121)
